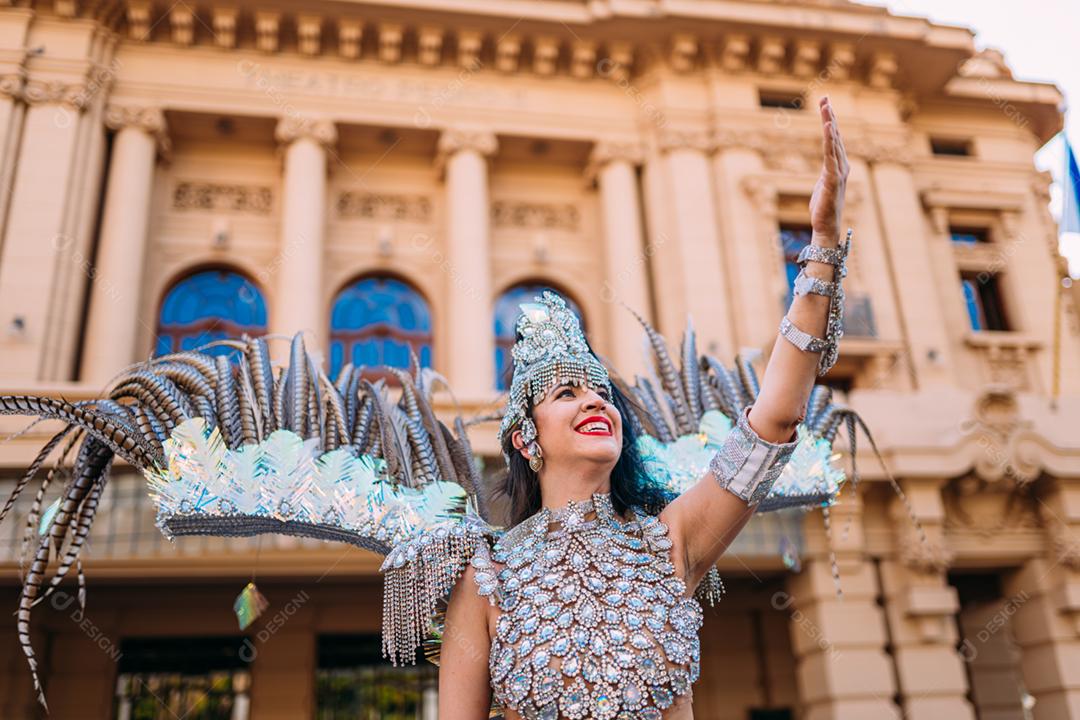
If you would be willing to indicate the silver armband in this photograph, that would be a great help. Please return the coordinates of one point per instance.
(748, 465)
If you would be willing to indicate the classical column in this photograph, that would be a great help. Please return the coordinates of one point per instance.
(626, 255)
(842, 667)
(918, 291)
(703, 283)
(298, 303)
(44, 255)
(748, 217)
(463, 155)
(921, 606)
(113, 325)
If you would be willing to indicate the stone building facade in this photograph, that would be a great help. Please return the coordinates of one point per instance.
(169, 170)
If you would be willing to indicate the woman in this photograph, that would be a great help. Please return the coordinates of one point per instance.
(585, 607)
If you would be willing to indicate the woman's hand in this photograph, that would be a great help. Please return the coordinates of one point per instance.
(827, 200)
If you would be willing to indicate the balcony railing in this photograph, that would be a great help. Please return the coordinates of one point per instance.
(858, 314)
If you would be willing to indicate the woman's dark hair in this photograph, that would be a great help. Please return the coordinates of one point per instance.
(630, 484)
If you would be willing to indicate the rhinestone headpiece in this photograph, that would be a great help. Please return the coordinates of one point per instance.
(552, 349)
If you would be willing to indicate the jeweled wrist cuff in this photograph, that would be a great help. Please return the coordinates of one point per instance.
(748, 465)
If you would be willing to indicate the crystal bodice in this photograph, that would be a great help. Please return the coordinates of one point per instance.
(593, 620)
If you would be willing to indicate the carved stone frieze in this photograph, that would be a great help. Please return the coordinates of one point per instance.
(365, 205)
(549, 216)
(222, 197)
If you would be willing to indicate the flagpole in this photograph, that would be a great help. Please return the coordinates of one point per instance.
(1055, 387)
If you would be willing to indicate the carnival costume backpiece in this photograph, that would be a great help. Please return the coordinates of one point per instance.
(594, 620)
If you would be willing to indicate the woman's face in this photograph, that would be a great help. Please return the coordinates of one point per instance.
(575, 423)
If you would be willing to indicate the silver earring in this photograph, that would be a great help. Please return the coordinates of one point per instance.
(536, 458)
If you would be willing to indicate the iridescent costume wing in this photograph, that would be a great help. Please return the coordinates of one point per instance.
(683, 415)
(229, 449)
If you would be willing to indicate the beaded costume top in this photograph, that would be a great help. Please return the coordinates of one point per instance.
(594, 620)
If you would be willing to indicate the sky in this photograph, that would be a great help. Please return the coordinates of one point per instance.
(1041, 41)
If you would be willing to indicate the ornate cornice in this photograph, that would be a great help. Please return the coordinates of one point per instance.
(295, 127)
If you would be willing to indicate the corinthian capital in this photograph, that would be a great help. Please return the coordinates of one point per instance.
(457, 139)
(57, 92)
(686, 139)
(607, 151)
(12, 84)
(292, 127)
(148, 119)
(611, 151)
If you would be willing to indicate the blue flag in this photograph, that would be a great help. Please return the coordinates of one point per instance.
(1070, 206)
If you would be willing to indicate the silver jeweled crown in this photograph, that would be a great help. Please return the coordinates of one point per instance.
(552, 349)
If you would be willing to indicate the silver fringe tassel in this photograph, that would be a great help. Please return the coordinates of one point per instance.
(419, 574)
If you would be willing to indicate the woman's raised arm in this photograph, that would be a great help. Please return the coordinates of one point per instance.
(704, 520)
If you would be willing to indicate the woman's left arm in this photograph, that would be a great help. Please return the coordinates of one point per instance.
(705, 519)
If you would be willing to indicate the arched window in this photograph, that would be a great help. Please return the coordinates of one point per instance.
(209, 305)
(375, 321)
(506, 315)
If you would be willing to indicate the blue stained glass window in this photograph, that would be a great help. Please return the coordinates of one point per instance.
(375, 321)
(793, 238)
(506, 315)
(973, 303)
(983, 301)
(209, 305)
(969, 236)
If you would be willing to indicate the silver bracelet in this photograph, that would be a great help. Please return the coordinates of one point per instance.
(800, 338)
(818, 253)
(805, 284)
(829, 346)
(748, 465)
